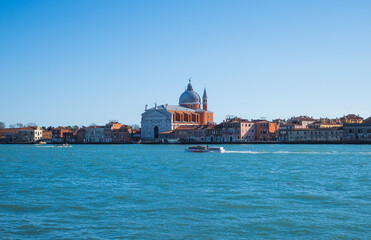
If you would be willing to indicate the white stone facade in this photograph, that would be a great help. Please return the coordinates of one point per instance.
(29, 135)
(155, 121)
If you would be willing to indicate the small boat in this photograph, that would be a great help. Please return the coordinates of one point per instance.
(40, 142)
(64, 145)
(202, 149)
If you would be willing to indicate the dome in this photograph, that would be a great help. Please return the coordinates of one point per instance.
(189, 96)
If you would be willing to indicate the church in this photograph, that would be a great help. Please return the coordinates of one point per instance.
(166, 117)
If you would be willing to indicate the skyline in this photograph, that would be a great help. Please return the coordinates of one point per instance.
(74, 63)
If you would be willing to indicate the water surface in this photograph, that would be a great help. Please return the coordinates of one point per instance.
(162, 192)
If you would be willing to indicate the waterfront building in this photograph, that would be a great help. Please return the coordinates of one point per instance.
(200, 133)
(8, 135)
(357, 132)
(47, 135)
(69, 137)
(135, 135)
(80, 135)
(94, 134)
(266, 131)
(29, 134)
(166, 117)
(315, 135)
(351, 118)
(238, 130)
(283, 130)
(109, 128)
(57, 134)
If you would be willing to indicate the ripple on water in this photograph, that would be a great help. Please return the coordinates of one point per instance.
(22, 208)
(161, 192)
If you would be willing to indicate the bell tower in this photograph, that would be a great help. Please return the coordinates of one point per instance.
(204, 100)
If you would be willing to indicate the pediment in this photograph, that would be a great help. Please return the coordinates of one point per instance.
(155, 114)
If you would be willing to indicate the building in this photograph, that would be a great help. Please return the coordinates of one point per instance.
(70, 137)
(283, 130)
(57, 134)
(318, 124)
(166, 117)
(47, 135)
(315, 135)
(238, 130)
(29, 134)
(266, 131)
(301, 122)
(80, 135)
(201, 133)
(94, 134)
(351, 118)
(8, 135)
(357, 132)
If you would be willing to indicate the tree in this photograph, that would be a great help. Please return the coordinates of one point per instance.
(92, 125)
(19, 125)
(50, 128)
(43, 128)
(2, 125)
(135, 126)
(75, 127)
(30, 124)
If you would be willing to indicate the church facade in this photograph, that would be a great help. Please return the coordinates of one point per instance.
(166, 117)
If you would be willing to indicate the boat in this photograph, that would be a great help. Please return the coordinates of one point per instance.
(202, 149)
(64, 145)
(40, 142)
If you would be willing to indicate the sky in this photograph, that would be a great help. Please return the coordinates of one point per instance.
(82, 62)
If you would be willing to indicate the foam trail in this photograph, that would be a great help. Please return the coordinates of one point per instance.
(287, 152)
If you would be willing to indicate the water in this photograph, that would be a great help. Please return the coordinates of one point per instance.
(162, 192)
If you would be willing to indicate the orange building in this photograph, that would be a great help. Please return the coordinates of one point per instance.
(266, 131)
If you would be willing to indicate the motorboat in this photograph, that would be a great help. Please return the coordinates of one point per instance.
(64, 145)
(202, 149)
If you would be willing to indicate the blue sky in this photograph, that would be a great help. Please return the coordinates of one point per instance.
(78, 62)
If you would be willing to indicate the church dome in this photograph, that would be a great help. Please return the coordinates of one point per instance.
(189, 96)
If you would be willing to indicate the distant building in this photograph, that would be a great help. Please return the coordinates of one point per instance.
(283, 130)
(47, 135)
(70, 137)
(8, 135)
(351, 118)
(201, 133)
(315, 135)
(357, 132)
(165, 118)
(94, 134)
(301, 122)
(266, 131)
(238, 130)
(80, 135)
(29, 134)
(57, 134)
(135, 135)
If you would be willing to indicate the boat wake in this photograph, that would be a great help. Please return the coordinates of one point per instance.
(288, 152)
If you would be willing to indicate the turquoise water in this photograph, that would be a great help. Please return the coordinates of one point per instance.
(162, 192)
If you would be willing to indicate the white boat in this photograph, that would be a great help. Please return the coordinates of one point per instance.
(202, 149)
(64, 145)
